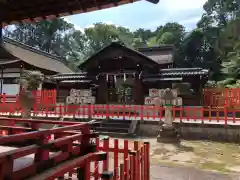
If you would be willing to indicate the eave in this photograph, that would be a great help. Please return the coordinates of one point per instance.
(21, 11)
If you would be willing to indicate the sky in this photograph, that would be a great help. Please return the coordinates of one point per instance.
(144, 15)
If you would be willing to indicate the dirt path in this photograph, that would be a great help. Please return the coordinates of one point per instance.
(159, 172)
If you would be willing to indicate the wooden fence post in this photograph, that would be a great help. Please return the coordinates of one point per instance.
(106, 149)
(146, 161)
(80, 173)
(133, 165)
(43, 152)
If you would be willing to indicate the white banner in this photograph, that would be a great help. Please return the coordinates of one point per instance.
(80, 92)
(80, 100)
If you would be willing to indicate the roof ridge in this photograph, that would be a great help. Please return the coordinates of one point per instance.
(31, 48)
(119, 45)
(182, 69)
(159, 47)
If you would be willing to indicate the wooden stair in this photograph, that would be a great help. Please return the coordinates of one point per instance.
(108, 127)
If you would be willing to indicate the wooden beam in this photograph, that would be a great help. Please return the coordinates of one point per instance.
(1, 34)
(17, 12)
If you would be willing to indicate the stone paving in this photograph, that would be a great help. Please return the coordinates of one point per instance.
(159, 172)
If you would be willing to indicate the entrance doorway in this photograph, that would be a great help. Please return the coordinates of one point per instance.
(120, 90)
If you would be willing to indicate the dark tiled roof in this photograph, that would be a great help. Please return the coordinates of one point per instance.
(156, 48)
(76, 81)
(73, 77)
(178, 72)
(163, 54)
(112, 47)
(158, 55)
(183, 71)
(33, 56)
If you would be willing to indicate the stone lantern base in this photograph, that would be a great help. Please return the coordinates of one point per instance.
(168, 135)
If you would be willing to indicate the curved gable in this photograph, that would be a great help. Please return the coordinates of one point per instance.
(116, 51)
(34, 57)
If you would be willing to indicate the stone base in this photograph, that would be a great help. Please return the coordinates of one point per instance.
(168, 135)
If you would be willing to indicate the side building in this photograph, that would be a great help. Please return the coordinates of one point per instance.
(16, 57)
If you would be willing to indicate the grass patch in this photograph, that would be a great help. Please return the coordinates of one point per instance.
(224, 152)
(213, 166)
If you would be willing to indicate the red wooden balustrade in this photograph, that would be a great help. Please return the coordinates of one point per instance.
(67, 151)
(41, 97)
(221, 115)
(220, 97)
(212, 97)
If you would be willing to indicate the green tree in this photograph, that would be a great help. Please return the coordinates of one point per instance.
(220, 11)
(228, 46)
(101, 35)
(144, 34)
(171, 33)
(44, 35)
(30, 81)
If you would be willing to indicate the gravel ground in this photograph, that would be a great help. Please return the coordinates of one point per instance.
(159, 172)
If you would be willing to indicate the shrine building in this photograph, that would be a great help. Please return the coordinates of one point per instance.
(120, 75)
(15, 57)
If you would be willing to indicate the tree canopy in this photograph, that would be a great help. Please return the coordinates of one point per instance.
(214, 44)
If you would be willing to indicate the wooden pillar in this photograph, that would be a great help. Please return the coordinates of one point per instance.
(57, 90)
(102, 90)
(1, 34)
(21, 73)
(201, 91)
(1, 90)
(138, 91)
(196, 86)
(1, 41)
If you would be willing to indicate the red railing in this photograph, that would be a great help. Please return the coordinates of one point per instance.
(54, 157)
(223, 115)
(212, 97)
(41, 97)
(220, 97)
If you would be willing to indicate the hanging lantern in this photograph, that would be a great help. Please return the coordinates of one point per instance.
(124, 77)
(97, 76)
(139, 76)
(115, 79)
(106, 77)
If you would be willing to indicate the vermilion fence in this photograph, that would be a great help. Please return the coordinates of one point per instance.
(41, 97)
(72, 150)
(220, 97)
(223, 115)
(212, 97)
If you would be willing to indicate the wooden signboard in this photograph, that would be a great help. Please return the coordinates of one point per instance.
(80, 96)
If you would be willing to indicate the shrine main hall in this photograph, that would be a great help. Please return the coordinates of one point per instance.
(121, 75)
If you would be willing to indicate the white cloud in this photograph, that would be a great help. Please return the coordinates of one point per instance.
(104, 22)
(88, 26)
(190, 20)
(75, 26)
(185, 12)
(179, 5)
(146, 15)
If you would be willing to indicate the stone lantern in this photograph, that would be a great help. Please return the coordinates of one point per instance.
(168, 133)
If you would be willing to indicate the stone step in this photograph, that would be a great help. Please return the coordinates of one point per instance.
(111, 124)
(116, 135)
(112, 129)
